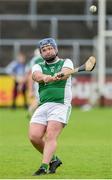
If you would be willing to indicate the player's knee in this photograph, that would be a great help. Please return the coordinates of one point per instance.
(34, 138)
(50, 136)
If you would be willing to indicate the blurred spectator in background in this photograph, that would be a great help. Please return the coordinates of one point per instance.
(17, 70)
(33, 86)
(93, 100)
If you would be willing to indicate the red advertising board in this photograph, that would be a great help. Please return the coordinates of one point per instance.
(85, 88)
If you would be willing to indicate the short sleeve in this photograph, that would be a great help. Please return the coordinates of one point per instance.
(36, 67)
(68, 64)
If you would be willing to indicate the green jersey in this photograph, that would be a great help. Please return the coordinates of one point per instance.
(57, 91)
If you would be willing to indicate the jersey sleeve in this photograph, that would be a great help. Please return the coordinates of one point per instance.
(68, 64)
(36, 67)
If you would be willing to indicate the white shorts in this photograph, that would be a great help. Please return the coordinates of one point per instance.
(51, 112)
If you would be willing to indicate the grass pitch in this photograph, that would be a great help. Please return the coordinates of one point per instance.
(85, 146)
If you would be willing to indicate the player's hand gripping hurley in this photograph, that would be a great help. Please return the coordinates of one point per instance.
(89, 65)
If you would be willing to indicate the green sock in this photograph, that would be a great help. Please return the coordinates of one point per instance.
(45, 165)
(53, 158)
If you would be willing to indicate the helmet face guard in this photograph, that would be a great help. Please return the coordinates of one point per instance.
(48, 42)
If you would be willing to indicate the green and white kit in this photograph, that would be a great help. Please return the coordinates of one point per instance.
(58, 91)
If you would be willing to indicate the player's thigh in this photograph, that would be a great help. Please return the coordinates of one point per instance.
(54, 128)
(36, 130)
(38, 123)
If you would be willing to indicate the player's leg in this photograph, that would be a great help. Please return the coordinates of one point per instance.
(37, 128)
(36, 134)
(53, 130)
(57, 117)
(60, 113)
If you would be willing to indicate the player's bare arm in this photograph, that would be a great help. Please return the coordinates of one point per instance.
(40, 77)
(64, 73)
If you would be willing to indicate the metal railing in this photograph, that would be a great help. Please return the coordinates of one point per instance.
(54, 19)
